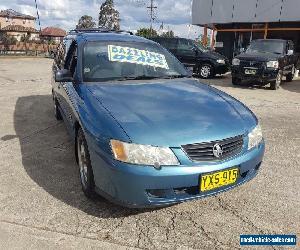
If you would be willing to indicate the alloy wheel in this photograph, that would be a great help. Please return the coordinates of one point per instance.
(82, 162)
(205, 71)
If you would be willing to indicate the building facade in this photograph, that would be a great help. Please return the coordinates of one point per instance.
(18, 25)
(53, 34)
(235, 23)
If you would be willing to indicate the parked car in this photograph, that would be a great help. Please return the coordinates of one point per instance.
(145, 133)
(265, 61)
(203, 62)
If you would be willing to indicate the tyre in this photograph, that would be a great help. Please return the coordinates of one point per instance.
(205, 71)
(85, 168)
(290, 76)
(57, 113)
(275, 84)
(236, 81)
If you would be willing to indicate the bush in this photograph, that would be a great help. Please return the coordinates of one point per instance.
(8, 40)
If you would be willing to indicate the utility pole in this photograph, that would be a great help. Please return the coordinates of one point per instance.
(152, 8)
(38, 16)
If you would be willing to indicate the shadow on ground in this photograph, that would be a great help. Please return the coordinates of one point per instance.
(48, 157)
(293, 86)
(225, 81)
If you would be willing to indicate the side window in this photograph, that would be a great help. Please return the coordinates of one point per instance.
(71, 58)
(170, 44)
(185, 44)
(59, 59)
(186, 48)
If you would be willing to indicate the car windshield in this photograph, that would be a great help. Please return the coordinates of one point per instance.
(266, 47)
(200, 47)
(107, 61)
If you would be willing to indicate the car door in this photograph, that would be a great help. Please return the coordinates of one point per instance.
(187, 53)
(67, 90)
(169, 43)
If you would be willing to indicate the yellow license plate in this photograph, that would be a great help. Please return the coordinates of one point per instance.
(218, 179)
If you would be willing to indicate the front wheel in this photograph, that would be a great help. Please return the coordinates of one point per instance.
(85, 168)
(275, 84)
(205, 71)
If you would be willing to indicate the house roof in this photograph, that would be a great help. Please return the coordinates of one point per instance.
(53, 31)
(19, 28)
(10, 13)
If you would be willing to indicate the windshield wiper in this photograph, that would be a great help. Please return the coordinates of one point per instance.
(175, 76)
(144, 77)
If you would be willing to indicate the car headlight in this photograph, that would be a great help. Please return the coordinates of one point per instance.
(143, 154)
(221, 61)
(255, 137)
(273, 64)
(236, 62)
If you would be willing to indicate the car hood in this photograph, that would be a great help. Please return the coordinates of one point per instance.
(214, 55)
(257, 56)
(172, 112)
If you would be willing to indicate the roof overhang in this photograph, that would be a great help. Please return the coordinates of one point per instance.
(209, 12)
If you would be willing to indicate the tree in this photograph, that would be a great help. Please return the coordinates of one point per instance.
(8, 40)
(25, 38)
(85, 22)
(201, 39)
(168, 34)
(146, 32)
(109, 17)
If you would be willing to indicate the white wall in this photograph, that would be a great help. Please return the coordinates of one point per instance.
(228, 11)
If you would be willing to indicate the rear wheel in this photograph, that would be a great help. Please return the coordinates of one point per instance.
(290, 76)
(205, 71)
(275, 84)
(85, 168)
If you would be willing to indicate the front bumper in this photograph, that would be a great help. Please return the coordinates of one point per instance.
(263, 75)
(220, 69)
(145, 186)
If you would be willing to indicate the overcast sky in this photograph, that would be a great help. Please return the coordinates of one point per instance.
(175, 14)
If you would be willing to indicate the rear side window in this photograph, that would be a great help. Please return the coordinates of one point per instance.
(170, 44)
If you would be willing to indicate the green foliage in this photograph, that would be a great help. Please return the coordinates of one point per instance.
(147, 33)
(109, 17)
(25, 38)
(208, 40)
(8, 40)
(85, 22)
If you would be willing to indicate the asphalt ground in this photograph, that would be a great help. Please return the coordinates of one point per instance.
(42, 206)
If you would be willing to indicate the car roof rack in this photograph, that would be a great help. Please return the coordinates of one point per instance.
(98, 30)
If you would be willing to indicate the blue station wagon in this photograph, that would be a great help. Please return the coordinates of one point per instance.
(146, 134)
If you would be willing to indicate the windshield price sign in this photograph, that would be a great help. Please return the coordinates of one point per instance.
(136, 56)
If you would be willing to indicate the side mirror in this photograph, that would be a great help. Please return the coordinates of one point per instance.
(290, 52)
(63, 75)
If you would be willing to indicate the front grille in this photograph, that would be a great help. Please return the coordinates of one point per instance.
(252, 64)
(205, 151)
